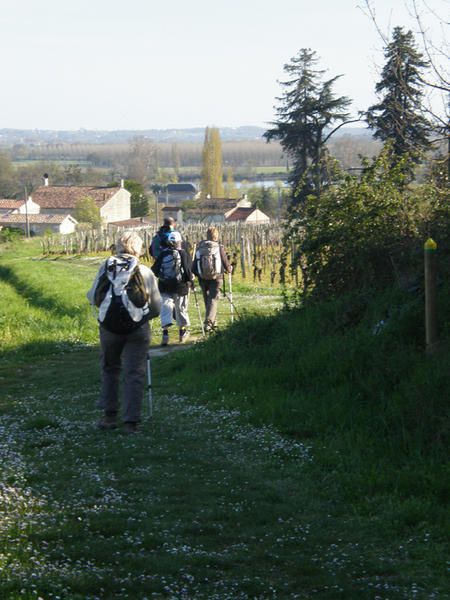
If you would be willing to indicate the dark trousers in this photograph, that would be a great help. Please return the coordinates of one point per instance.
(125, 354)
(211, 291)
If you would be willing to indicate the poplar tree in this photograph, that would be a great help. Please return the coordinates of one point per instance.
(212, 174)
(230, 187)
(176, 162)
(398, 117)
(308, 112)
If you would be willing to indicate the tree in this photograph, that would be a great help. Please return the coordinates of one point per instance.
(264, 198)
(7, 182)
(212, 176)
(73, 175)
(142, 161)
(86, 211)
(436, 80)
(398, 117)
(308, 112)
(176, 163)
(140, 201)
(230, 187)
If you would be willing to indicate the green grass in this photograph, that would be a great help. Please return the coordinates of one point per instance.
(44, 301)
(293, 455)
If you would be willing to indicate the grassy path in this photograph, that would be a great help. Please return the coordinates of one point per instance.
(202, 505)
(199, 505)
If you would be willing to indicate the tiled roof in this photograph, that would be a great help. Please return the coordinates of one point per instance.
(218, 203)
(10, 204)
(40, 218)
(134, 222)
(55, 196)
(240, 214)
(175, 188)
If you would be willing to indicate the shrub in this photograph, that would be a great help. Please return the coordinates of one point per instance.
(365, 233)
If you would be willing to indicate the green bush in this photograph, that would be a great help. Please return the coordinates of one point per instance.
(366, 233)
(10, 234)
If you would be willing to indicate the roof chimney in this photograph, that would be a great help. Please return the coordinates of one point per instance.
(122, 183)
(46, 179)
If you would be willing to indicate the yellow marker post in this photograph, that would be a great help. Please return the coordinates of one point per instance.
(431, 327)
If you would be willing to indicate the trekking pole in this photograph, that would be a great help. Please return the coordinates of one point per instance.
(231, 297)
(198, 310)
(149, 386)
(235, 310)
(195, 296)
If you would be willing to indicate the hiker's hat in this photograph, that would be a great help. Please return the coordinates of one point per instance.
(174, 238)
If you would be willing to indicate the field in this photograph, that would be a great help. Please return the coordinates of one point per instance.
(266, 472)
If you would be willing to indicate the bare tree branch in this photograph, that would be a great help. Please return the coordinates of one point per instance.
(339, 126)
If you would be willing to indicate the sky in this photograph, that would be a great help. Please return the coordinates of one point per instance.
(163, 64)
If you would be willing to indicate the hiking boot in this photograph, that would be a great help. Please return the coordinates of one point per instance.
(209, 327)
(130, 427)
(107, 422)
(184, 334)
(165, 337)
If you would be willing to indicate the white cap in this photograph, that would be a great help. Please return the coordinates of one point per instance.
(174, 237)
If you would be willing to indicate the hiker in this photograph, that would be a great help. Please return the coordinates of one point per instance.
(158, 242)
(173, 269)
(126, 294)
(210, 263)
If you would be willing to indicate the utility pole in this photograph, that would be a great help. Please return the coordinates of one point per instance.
(279, 202)
(27, 224)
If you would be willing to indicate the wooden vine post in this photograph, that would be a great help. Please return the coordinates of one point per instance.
(431, 327)
(243, 256)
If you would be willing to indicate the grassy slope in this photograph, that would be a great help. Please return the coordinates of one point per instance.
(196, 503)
(375, 404)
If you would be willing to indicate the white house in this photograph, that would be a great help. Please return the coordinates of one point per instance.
(8, 206)
(113, 202)
(39, 223)
(251, 216)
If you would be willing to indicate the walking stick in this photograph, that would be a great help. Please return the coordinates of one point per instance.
(235, 310)
(149, 386)
(231, 297)
(195, 297)
(198, 310)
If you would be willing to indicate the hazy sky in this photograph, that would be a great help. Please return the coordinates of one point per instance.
(140, 64)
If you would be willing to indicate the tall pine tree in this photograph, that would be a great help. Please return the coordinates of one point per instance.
(212, 172)
(308, 112)
(398, 116)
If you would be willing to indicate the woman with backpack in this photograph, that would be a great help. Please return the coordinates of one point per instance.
(210, 263)
(173, 270)
(127, 297)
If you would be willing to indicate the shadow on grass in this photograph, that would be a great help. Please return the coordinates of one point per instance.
(36, 297)
(31, 355)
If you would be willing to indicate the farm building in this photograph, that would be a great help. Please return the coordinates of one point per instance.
(133, 223)
(39, 223)
(113, 202)
(18, 206)
(214, 210)
(176, 212)
(250, 216)
(176, 193)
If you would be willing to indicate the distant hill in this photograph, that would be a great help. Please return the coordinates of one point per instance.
(10, 137)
